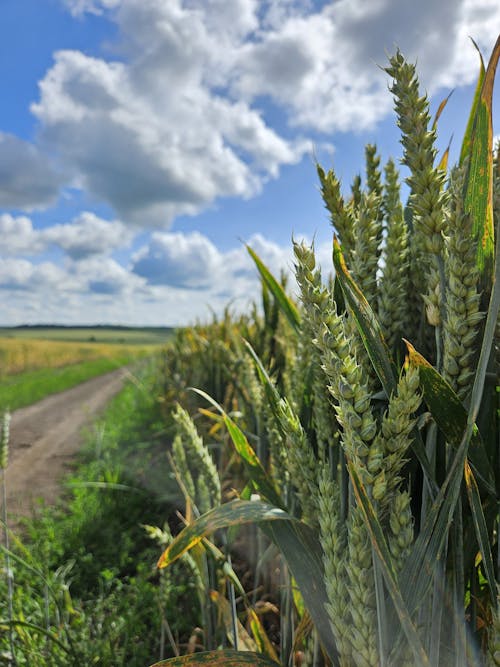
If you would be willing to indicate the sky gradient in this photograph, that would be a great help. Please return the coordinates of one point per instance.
(143, 142)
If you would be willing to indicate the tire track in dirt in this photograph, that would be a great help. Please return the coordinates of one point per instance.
(45, 436)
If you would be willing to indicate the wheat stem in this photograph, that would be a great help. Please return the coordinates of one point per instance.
(4, 457)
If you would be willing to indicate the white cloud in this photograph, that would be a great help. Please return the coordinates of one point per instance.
(27, 178)
(18, 236)
(89, 291)
(277, 258)
(192, 261)
(179, 260)
(276, 12)
(79, 7)
(104, 276)
(322, 66)
(174, 126)
(181, 117)
(478, 19)
(21, 274)
(189, 271)
(88, 235)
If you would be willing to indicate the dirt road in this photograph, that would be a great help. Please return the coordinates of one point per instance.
(44, 438)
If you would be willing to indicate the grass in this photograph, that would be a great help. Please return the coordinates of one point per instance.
(85, 571)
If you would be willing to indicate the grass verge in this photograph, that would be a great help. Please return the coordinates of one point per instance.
(84, 577)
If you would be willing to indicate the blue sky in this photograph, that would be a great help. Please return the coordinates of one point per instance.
(142, 141)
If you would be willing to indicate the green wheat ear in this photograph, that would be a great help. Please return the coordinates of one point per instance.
(342, 215)
(461, 325)
(195, 463)
(363, 630)
(333, 537)
(365, 255)
(394, 284)
(427, 197)
(317, 302)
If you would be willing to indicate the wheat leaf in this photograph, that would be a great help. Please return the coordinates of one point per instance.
(286, 304)
(225, 658)
(481, 530)
(478, 188)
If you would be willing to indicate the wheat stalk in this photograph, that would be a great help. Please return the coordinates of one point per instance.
(333, 537)
(4, 458)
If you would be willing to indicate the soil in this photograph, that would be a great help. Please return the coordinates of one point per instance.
(46, 436)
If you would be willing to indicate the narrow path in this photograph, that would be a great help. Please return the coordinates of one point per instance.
(45, 437)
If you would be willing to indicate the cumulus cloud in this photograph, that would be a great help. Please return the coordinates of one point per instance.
(189, 271)
(322, 66)
(173, 279)
(179, 260)
(181, 117)
(104, 276)
(153, 157)
(21, 274)
(277, 258)
(87, 235)
(80, 7)
(27, 179)
(18, 236)
(86, 292)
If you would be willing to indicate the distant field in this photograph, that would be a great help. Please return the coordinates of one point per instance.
(26, 349)
(119, 335)
(38, 361)
(23, 355)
